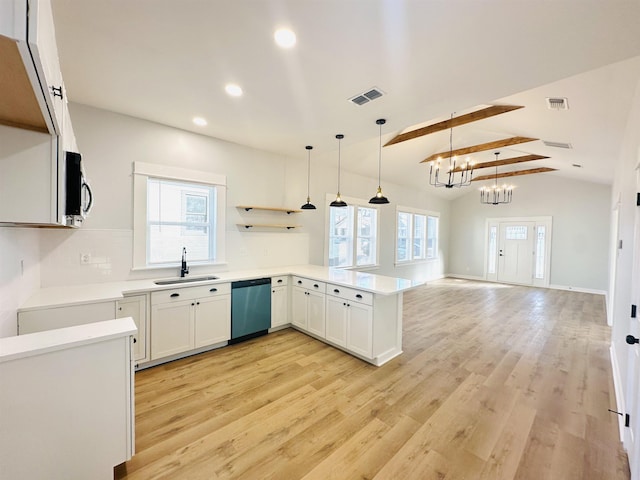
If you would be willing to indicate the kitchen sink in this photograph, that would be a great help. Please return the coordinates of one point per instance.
(173, 281)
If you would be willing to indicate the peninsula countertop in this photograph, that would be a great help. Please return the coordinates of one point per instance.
(60, 296)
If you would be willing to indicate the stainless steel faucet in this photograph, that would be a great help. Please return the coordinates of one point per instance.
(184, 270)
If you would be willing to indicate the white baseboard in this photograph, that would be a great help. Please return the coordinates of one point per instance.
(464, 277)
(578, 289)
(617, 383)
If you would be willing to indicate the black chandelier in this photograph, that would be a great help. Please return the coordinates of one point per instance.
(465, 169)
(496, 195)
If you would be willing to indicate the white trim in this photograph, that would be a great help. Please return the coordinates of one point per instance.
(546, 221)
(177, 173)
(141, 172)
(577, 289)
(413, 212)
(617, 385)
(466, 277)
(358, 202)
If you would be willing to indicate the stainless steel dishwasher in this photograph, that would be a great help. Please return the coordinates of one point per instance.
(250, 309)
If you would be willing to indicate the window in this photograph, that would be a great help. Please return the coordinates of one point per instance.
(493, 247)
(416, 235)
(177, 217)
(540, 254)
(353, 236)
(175, 208)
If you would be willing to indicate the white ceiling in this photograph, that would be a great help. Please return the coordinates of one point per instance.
(168, 61)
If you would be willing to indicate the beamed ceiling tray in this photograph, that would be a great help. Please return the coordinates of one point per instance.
(517, 173)
(480, 148)
(506, 161)
(453, 122)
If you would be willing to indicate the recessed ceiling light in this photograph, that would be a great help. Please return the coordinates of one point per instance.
(233, 90)
(284, 38)
(201, 122)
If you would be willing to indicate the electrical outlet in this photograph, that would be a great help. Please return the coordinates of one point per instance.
(85, 258)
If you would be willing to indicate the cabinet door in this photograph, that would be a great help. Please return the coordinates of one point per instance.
(171, 328)
(212, 320)
(299, 307)
(279, 303)
(360, 329)
(315, 313)
(136, 308)
(336, 321)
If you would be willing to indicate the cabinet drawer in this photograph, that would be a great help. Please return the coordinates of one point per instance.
(178, 294)
(350, 294)
(280, 281)
(309, 284)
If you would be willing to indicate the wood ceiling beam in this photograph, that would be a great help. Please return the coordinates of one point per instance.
(506, 161)
(453, 122)
(517, 173)
(480, 148)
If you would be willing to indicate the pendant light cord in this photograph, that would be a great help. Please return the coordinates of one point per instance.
(308, 171)
(379, 152)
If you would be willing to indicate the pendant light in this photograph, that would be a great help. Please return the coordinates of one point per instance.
(308, 205)
(338, 202)
(378, 198)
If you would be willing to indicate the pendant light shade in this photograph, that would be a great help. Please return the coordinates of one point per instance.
(308, 205)
(338, 202)
(379, 198)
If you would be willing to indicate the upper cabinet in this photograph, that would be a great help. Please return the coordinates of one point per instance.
(31, 80)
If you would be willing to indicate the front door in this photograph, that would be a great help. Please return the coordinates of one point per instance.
(516, 252)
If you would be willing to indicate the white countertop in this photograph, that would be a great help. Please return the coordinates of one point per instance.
(103, 292)
(31, 344)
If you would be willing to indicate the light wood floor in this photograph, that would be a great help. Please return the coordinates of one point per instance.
(496, 382)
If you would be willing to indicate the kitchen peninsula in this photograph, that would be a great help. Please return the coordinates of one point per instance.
(358, 312)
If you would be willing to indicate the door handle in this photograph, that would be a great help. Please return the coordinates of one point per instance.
(631, 340)
(174, 295)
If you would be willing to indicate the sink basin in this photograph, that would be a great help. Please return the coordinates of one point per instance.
(173, 281)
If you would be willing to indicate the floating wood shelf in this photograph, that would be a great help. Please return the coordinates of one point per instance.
(267, 225)
(271, 209)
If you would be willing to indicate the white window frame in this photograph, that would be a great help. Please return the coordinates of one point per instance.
(141, 173)
(413, 212)
(352, 202)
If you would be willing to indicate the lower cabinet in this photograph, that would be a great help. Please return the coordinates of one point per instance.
(135, 307)
(308, 305)
(279, 301)
(349, 324)
(188, 318)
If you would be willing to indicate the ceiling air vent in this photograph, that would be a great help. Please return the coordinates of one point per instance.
(557, 144)
(367, 96)
(557, 103)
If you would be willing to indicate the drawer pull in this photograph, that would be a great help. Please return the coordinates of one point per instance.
(335, 290)
(174, 295)
(135, 340)
(299, 282)
(213, 290)
(280, 281)
(315, 285)
(358, 296)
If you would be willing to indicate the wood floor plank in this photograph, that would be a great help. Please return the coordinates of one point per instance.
(496, 382)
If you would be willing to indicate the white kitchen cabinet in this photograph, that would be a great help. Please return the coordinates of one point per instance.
(279, 301)
(184, 319)
(212, 320)
(349, 322)
(34, 90)
(307, 305)
(135, 307)
(336, 321)
(31, 321)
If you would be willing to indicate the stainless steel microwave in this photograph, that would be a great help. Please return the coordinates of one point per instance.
(78, 195)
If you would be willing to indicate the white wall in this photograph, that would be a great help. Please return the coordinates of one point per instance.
(581, 217)
(324, 181)
(624, 189)
(19, 273)
(110, 143)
